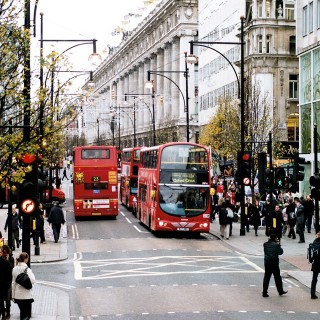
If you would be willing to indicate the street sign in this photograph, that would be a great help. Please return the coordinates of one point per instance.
(28, 206)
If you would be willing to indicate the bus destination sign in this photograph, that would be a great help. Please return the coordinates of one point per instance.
(95, 179)
(184, 177)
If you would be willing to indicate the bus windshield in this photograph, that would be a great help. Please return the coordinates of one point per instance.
(184, 157)
(183, 200)
(95, 154)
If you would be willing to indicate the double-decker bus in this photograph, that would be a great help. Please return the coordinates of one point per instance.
(130, 162)
(95, 181)
(174, 187)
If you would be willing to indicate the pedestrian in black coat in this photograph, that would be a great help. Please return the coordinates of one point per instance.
(272, 251)
(256, 216)
(247, 213)
(5, 283)
(315, 268)
(291, 218)
(308, 212)
(277, 222)
(56, 219)
(299, 211)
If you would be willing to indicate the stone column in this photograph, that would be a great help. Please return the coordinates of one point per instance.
(254, 9)
(175, 48)
(160, 81)
(167, 58)
(147, 99)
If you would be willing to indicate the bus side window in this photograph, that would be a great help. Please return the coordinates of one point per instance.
(135, 170)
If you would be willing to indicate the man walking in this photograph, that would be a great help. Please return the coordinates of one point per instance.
(308, 212)
(299, 211)
(277, 222)
(56, 218)
(64, 173)
(315, 266)
(272, 250)
(16, 225)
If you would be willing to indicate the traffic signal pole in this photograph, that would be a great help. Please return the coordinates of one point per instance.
(316, 172)
(271, 200)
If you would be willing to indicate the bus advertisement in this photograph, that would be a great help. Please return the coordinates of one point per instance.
(95, 181)
(174, 187)
(130, 163)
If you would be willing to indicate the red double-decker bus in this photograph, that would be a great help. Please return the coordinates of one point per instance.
(130, 163)
(95, 181)
(174, 187)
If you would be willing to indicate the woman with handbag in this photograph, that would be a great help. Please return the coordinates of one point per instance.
(20, 295)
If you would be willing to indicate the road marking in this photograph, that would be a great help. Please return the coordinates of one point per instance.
(75, 232)
(160, 266)
(291, 282)
(140, 230)
(250, 263)
(128, 220)
(77, 256)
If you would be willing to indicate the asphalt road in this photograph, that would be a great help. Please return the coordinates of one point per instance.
(119, 270)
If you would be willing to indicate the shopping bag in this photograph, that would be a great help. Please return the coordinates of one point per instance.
(48, 232)
(64, 230)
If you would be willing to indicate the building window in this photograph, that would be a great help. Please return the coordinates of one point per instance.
(305, 21)
(293, 127)
(311, 16)
(289, 11)
(248, 46)
(259, 43)
(260, 9)
(293, 86)
(292, 44)
(268, 8)
(268, 43)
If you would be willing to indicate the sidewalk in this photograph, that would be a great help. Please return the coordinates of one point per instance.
(294, 253)
(50, 303)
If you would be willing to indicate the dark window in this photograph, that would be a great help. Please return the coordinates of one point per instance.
(292, 45)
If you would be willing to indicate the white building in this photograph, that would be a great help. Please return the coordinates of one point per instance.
(158, 45)
(269, 35)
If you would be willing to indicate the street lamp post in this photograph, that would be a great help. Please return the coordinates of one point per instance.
(136, 95)
(134, 118)
(185, 98)
(192, 59)
(79, 42)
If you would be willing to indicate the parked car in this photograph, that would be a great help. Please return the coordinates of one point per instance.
(57, 195)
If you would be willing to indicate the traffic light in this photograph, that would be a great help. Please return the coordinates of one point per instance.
(279, 178)
(269, 180)
(315, 183)
(298, 172)
(28, 189)
(262, 167)
(298, 169)
(246, 164)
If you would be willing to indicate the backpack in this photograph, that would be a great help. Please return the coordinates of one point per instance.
(312, 251)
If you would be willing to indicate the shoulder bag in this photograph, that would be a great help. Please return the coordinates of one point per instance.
(24, 280)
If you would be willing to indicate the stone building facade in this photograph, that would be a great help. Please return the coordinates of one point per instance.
(121, 106)
(269, 35)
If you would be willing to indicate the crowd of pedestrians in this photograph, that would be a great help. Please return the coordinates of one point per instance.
(285, 215)
(282, 214)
